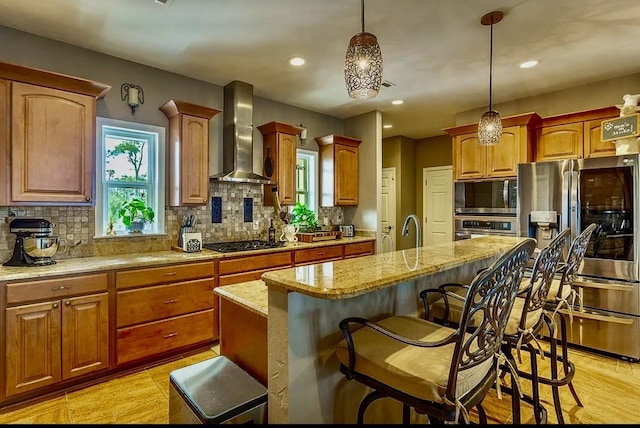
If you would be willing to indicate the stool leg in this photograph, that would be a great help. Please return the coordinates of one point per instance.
(515, 389)
(482, 415)
(565, 360)
(537, 408)
(554, 374)
(406, 414)
(370, 398)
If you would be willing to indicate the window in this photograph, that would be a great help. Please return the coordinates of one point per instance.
(306, 178)
(127, 166)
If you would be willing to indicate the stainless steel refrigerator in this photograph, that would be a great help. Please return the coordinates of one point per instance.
(573, 194)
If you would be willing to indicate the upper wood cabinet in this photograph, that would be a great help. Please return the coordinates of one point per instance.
(188, 152)
(338, 170)
(574, 135)
(279, 160)
(52, 139)
(474, 161)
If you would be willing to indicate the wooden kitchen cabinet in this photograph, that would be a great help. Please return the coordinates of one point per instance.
(474, 161)
(358, 249)
(279, 160)
(188, 152)
(574, 135)
(59, 339)
(318, 255)
(338, 170)
(163, 309)
(247, 268)
(52, 140)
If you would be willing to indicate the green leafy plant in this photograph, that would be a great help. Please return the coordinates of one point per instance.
(135, 209)
(304, 218)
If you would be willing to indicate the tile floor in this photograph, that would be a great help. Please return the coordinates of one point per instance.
(142, 398)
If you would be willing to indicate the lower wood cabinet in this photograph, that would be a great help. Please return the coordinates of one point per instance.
(319, 254)
(359, 249)
(247, 268)
(58, 339)
(165, 308)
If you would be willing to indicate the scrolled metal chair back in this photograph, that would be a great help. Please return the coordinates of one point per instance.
(492, 292)
(576, 255)
(543, 272)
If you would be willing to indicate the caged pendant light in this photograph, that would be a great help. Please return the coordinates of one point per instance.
(490, 126)
(363, 64)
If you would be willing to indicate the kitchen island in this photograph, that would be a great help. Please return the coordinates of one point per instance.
(306, 303)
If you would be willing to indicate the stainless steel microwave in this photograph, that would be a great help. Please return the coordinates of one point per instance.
(486, 197)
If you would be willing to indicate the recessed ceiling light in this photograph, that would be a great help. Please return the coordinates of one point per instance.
(529, 64)
(296, 60)
(387, 126)
(397, 102)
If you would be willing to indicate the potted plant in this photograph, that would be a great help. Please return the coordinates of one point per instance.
(135, 214)
(302, 216)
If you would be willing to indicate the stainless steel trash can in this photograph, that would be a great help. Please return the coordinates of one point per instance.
(215, 391)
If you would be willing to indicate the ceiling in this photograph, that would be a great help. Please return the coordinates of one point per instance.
(435, 52)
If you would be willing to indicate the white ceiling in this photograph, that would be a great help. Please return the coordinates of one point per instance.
(436, 52)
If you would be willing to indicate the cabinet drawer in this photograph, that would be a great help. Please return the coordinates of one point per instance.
(358, 249)
(254, 263)
(319, 254)
(134, 343)
(158, 275)
(163, 301)
(55, 288)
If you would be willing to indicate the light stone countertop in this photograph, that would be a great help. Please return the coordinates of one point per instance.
(123, 261)
(347, 278)
(252, 295)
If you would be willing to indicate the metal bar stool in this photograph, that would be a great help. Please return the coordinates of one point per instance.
(438, 371)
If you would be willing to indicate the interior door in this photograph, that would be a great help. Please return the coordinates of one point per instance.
(437, 204)
(388, 215)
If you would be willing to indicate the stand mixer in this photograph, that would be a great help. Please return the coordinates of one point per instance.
(35, 245)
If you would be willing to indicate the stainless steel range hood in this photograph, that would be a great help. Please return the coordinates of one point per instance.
(237, 136)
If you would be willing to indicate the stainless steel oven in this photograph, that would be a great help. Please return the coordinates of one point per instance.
(473, 226)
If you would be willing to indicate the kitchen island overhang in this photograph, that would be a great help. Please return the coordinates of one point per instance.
(306, 303)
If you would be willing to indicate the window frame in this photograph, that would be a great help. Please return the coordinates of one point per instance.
(156, 174)
(311, 158)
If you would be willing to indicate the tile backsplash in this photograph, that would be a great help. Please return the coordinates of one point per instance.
(77, 224)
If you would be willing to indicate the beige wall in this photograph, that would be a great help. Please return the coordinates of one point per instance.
(400, 152)
(368, 128)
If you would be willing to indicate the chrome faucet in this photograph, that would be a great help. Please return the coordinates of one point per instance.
(405, 228)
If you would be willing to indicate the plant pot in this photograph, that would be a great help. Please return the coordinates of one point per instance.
(136, 226)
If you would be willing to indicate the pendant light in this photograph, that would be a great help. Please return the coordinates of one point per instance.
(490, 126)
(363, 64)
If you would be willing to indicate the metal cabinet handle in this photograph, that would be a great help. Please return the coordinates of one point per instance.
(321, 254)
(55, 306)
(62, 287)
(166, 302)
(167, 336)
(169, 274)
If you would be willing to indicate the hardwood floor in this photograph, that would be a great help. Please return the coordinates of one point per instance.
(608, 387)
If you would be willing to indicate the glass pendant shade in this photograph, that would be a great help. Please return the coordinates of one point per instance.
(363, 66)
(490, 128)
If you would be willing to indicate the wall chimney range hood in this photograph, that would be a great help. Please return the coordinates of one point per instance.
(237, 136)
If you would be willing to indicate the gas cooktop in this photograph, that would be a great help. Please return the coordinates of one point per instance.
(230, 247)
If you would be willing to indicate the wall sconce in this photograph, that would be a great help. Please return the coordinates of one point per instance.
(303, 135)
(133, 94)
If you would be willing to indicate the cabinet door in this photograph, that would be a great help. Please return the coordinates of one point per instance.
(594, 147)
(33, 347)
(287, 169)
(346, 175)
(52, 145)
(560, 142)
(470, 157)
(85, 335)
(503, 158)
(5, 126)
(194, 168)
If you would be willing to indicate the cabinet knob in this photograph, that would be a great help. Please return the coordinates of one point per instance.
(88, 199)
(55, 306)
(67, 303)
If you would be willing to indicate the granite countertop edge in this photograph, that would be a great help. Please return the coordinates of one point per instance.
(92, 264)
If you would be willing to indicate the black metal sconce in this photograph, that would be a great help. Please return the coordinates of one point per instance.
(133, 94)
